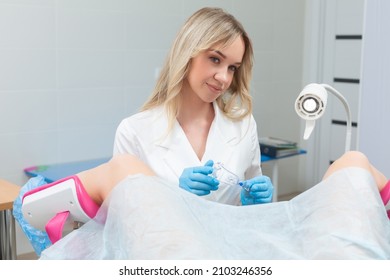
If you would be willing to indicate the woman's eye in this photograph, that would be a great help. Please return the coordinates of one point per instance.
(214, 59)
(233, 68)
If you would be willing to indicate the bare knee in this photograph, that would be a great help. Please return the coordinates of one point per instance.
(352, 157)
(108, 175)
(349, 159)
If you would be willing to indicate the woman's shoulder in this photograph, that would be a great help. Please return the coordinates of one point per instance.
(146, 122)
(142, 117)
(235, 120)
(236, 114)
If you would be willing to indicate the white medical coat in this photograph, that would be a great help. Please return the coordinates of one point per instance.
(235, 144)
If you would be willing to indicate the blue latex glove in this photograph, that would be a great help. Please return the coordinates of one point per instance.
(197, 181)
(257, 190)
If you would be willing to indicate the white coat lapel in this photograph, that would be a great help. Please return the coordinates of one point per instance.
(179, 152)
(222, 137)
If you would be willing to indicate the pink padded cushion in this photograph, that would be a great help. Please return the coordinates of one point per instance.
(86, 202)
(55, 226)
(385, 193)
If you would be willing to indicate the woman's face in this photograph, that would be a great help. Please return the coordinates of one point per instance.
(211, 72)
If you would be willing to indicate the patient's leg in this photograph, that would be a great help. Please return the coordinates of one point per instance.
(357, 159)
(99, 181)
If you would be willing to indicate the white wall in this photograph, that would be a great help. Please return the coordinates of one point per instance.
(70, 70)
(374, 129)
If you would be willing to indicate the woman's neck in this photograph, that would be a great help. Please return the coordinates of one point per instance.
(195, 119)
(195, 110)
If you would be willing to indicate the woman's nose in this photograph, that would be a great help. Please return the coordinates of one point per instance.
(222, 76)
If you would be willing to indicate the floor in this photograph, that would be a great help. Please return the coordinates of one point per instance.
(28, 256)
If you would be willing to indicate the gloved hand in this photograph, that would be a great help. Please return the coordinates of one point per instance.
(197, 181)
(257, 190)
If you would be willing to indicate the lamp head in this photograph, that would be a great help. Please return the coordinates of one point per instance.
(310, 105)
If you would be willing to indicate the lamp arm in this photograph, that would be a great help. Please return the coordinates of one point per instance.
(348, 111)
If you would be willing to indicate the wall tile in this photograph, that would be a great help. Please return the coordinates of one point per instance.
(27, 69)
(86, 29)
(21, 150)
(153, 8)
(190, 7)
(27, 27)
(106, 5)
(141, 67)
(90, 68)
(148, 33)
(28, 111)
(261, 10)
(81, 108)
(92, 142)
(135, 98)
(50, 3)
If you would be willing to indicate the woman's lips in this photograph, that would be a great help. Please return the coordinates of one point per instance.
(214, 88)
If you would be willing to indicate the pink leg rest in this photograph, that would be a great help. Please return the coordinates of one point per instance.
(86, 202)
(385, 193)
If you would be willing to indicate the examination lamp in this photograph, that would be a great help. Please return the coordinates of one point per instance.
(310, 106)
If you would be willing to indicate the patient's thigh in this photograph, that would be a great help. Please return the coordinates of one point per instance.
(99, 181)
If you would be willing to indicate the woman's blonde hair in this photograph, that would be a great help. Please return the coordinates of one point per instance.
(206, 28)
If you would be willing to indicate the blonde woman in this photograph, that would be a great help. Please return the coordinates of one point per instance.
(201, 112)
